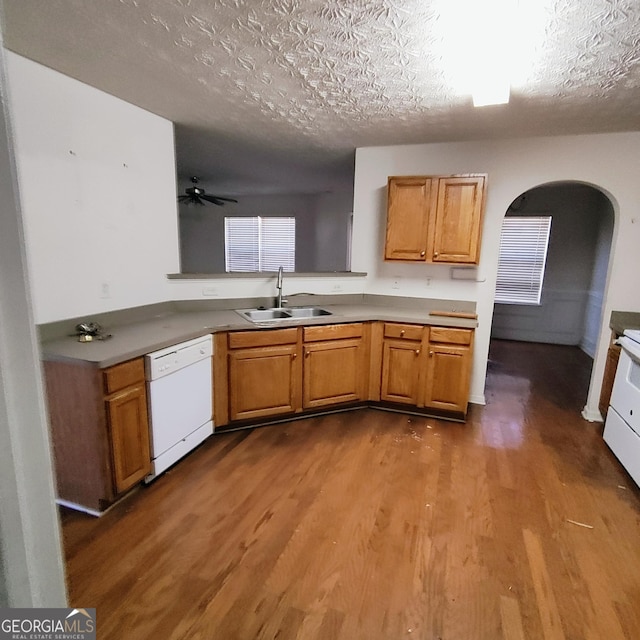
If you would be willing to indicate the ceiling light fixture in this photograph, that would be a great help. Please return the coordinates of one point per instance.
(481, 53)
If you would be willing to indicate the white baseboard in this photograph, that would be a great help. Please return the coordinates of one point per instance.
(79, 507)
(478, 399)
(592, 415)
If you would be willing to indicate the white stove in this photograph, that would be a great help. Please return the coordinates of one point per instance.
(622, 427)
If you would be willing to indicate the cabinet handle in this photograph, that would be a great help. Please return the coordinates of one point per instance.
(431, 354)
(417, 352)
(422, 254)
(295, 355)
(435, 254)
(402, 333)
(307, 354)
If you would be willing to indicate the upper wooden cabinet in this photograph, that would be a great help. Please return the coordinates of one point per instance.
(409, 203)
(435, 219)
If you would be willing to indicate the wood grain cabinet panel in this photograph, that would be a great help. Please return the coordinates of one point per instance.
(263, 382)
(402, 375)
(401, 372)
(320, 366)
(449, 370)
(129, 437)
(435, 219)
(426, 367)
(458, 219)
(99, 430)
(408, 210)
(335, 371)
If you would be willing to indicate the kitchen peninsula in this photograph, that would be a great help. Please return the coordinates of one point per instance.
(405, 354)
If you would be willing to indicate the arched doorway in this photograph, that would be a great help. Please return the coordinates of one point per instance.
(572, 300)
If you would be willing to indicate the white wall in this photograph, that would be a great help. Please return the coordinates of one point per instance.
(608, 161)
(97, 180)
(31, 563)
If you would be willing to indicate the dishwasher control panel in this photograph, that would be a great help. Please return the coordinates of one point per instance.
(165, 361)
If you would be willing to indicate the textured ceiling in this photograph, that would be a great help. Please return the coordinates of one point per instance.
(275, 95)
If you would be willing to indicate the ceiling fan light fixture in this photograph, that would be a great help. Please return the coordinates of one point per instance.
(197, 195)
(491, 94)
(490, 46)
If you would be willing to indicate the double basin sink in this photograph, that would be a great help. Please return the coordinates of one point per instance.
(282, 313)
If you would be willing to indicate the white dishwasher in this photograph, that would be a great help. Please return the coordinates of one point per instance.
(180, 392)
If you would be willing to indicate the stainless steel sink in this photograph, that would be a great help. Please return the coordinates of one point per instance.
(307, 312)
(259, 315)
(277, 314)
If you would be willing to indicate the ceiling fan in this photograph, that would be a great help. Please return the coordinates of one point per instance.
(196, 195)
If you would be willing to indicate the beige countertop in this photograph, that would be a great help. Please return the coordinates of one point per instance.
(135, 339)
(621, 320)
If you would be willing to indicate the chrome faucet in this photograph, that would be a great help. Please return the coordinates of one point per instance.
(279, 281)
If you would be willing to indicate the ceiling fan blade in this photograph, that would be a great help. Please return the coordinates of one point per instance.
(216, 199)
(184, 198)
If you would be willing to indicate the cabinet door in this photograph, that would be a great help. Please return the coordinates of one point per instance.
(409, 203)
(458, 218)
(263, 382)
(448, 372)
(334, 371)
(129, 431)
(401, 371)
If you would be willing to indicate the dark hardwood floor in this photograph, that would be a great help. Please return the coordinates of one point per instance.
(375, 525)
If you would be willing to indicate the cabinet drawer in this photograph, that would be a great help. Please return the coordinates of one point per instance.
(267, 338)
(123, 375)
(332, 332)
(406, 331)
(449, 335)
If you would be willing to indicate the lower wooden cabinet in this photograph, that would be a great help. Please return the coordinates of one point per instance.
(272, 372)
(263, 370)
(426, 367)
(448, 369)
(276, 372)
(336, 366)
(129, 436)
(402, 365)
(99, 430)
(262, 382)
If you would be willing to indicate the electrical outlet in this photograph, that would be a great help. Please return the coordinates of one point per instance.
(209, 291)
(428, 281)
(396, 283)
(105, 289)
(336, 288)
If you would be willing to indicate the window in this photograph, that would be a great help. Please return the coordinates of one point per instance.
(523, 254)
(259, 244)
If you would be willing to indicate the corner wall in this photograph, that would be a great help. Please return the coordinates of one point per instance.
(98, 192)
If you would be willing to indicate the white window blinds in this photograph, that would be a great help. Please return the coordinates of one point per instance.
(523, 254)
(259, 243)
